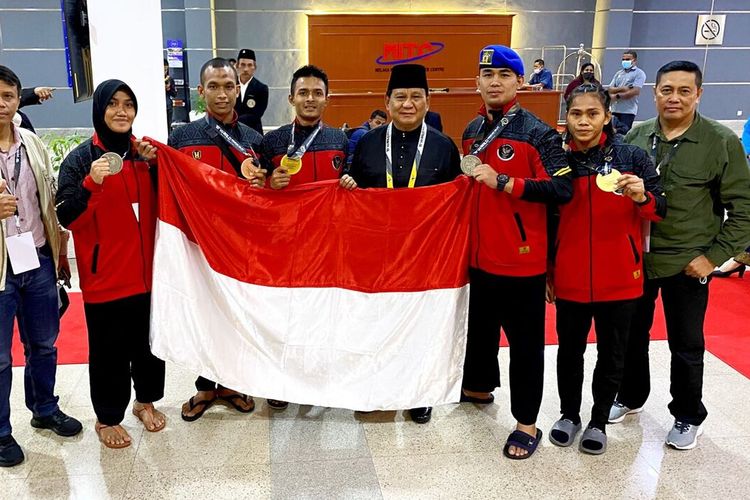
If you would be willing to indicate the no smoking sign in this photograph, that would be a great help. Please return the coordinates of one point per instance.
(710, 29)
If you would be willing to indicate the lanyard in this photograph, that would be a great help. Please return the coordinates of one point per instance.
(477, 147)
(233, 142)
(12, 190)
(667, 158)
(415, 163)
(602, 169)
(290, 151)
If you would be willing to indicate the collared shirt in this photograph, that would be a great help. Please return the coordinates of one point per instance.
(625, 78)
(243, 88)
(704, 172)
(544, 77)
(29, 213)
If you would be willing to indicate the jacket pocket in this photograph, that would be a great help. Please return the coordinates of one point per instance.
(634, 248)
(95, 259)
(519, 224)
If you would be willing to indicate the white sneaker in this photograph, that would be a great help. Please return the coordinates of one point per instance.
(684, 436)
(619, 411)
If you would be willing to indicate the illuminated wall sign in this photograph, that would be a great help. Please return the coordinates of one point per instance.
(406, 52)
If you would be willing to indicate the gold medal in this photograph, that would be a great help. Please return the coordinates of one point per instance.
(248, 168)
(291, 165)
(608, 183)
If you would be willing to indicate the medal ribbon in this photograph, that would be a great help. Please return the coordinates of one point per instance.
(291, 153)
(477, 147)
(415, 163)
(233, 142)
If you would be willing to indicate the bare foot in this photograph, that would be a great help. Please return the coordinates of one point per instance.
(112, 436)
(528, 429)
(198, 404)
(153, 420)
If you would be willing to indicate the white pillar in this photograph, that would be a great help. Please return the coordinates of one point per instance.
(126, 44)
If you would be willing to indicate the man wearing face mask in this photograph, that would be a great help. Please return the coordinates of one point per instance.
(624, 89)
(542, 77)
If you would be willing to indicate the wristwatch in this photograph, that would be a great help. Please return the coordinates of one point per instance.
(502, 181)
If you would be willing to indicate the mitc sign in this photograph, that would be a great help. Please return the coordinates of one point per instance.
(406, 52)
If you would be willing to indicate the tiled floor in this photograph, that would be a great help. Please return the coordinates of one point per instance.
(312, 452)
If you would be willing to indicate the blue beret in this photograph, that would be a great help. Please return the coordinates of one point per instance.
(500, 56)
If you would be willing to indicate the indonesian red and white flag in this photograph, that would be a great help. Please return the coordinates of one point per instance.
(315, 294)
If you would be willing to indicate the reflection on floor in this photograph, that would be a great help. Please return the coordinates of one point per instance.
(311, 452)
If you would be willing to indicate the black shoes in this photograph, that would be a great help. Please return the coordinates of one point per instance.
(59, 423)
(421, 415)
(10, 453)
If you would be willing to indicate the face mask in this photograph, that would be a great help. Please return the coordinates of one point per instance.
(627, 64)
(588, 76)
(537, 71)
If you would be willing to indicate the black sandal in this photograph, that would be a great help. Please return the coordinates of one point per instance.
(232, 398)
(277, 404)
(477, 401)
(192, 404)
(520, 439)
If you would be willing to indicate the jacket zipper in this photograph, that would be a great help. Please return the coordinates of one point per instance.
(636, 255)
(591, 241)
(519, 224)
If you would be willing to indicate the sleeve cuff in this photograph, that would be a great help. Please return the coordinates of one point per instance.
(91, 186)
(518, 184)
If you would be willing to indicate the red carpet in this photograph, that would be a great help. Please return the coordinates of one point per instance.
(727, 335)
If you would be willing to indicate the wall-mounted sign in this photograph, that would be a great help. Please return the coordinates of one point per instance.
(710, 29)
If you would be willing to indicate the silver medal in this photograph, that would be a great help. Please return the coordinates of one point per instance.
(115, 162)
(469, 163)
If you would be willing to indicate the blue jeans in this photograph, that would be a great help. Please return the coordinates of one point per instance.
(32, 297)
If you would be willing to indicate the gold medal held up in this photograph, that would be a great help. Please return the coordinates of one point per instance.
(291, 165)
(608, 182)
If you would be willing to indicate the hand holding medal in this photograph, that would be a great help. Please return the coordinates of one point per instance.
(253, 173)
(632, 186)
(102, 167)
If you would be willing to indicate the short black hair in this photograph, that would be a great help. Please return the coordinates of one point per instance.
(632, 53)
(378, 112)
(308, 70)
(217, 62)
(8, 76)
(687, 66)
(232, 60)
(540, 61)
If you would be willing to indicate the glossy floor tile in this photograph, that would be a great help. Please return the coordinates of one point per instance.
(309, 452)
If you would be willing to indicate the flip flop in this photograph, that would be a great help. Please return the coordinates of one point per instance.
(192, 404)
(98, 429)
(520, 439)
(593, 441)
(564, 432)
(232, 398)
(478, 401)
(157, 428)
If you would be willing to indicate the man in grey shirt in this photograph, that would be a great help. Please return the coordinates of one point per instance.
(625, 88)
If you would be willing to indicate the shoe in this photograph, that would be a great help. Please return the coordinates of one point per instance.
(619, 411)
(59, 423)
(684, 436)
(563, 432)
(477, 401)
(10, 453)
(277, 404)
(421, 415)
(740, 270)
(593, 441)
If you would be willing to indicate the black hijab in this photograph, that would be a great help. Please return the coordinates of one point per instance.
(113, 141)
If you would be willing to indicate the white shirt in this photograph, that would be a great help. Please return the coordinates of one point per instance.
(243, 88)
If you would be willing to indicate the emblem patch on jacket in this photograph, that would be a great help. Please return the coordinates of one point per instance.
(337, 161)
(506, 152)
(197, 154)
(251, 103)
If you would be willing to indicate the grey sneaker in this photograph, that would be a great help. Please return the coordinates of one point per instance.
(684, 436)
(619, 411)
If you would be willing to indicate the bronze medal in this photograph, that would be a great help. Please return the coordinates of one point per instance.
(608, 182)
(291, 165)
(248, 168)
(115, 162)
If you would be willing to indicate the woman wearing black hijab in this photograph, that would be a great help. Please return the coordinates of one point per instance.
(107, 198)
(585, 76)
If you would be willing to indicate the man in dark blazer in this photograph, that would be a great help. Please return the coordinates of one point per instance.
(253, 99)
